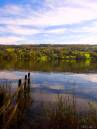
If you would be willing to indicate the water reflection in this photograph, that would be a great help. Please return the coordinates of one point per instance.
(81, 85)
(52, 66)
(48, 79)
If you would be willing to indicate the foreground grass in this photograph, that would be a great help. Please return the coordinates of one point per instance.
(12, 106)
(65, 116)
(60, 115)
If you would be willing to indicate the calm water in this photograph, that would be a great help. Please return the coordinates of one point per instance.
(50, 79)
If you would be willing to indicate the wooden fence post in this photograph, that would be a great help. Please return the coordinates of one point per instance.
(25, 92)
(1, 113)
(25, 85)
(22, 97)
(19, 93)
(18, 102)
(28, 82)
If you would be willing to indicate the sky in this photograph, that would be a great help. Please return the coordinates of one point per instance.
(48, 22)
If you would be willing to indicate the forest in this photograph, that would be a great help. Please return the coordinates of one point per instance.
(48, 52)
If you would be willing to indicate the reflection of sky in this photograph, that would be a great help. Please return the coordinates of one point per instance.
(84, 85)
(51, 77)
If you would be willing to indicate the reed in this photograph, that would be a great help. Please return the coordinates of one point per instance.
(62, 114)
(13, 105)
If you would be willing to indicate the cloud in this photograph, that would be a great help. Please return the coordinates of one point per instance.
(10, 9)
(19, 30)
(56, 31)
(54, 16)
(10, 40)
(58, 16)
(64, 17)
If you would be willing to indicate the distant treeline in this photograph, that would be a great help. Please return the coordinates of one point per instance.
(48, 52)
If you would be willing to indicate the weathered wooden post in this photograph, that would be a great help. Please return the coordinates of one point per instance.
(19, 93)
(25, 92)
(29, 82)
(28, 90)
(25, 85)
(18, 102)
(1, 113)
(19, 83)
(28, 78)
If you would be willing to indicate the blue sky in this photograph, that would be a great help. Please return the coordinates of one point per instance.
(48, 21)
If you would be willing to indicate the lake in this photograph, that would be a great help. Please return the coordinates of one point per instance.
(49, 79)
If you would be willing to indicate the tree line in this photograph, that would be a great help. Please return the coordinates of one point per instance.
(48, 52)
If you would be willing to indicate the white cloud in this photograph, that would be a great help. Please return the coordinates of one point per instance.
(87, 39)
(91, 28)
(19, 30)
(11, 9)
(55, 16)
(56, 31)
(22, 30)
(59, 13)
(10, 40)
(59, 16)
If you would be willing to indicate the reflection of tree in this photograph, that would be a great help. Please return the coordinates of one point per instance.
(54, 65)
(87, 62)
